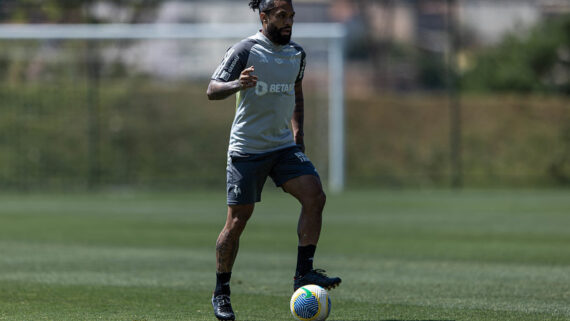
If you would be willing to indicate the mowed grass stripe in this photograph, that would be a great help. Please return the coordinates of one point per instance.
(475, 255)
(441, 285)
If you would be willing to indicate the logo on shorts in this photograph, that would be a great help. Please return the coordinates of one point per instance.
(302, 157)
(237, 190)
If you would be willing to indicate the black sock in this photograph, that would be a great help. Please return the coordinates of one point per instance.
(222, 283)
(305, 256)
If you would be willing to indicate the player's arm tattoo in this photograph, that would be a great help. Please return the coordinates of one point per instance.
(220, 90)
(298, 114)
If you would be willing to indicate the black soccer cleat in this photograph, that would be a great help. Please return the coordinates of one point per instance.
(223, 307)
(318, 277)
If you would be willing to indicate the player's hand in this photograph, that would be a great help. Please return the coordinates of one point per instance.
(246, 79)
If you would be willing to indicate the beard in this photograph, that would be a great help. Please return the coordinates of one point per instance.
(274, 34)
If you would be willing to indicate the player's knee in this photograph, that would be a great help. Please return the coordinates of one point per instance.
(321, 199)
(315, 200)
(238, 224)
(238, 217)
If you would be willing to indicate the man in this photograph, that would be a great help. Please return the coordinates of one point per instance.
(266, 71)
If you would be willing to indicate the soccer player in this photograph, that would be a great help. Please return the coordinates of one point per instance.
(265, 71)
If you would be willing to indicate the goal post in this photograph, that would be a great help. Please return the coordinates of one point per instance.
(333, 33)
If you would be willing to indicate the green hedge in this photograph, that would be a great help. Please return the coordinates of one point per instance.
(534, 63)
(164, 135)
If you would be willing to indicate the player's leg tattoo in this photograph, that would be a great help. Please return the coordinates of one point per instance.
(227, 247)
(227, 244)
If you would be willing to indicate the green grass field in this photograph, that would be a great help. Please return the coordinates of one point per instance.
(403, 255)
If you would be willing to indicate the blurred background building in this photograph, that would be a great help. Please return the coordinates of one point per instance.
(434, 89)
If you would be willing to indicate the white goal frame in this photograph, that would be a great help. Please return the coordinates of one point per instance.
(333, 33)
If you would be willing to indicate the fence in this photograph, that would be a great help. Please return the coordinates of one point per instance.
(80, 114)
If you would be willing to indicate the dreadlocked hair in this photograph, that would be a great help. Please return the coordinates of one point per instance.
(254, 4)
(262, 5)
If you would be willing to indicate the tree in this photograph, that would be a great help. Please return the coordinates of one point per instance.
(537, 62)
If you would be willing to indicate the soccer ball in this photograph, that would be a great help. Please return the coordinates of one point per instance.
(310, 303)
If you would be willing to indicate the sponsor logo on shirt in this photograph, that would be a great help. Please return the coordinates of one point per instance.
(301, 70)
(263, 88)
(220, 72)
(234, 62)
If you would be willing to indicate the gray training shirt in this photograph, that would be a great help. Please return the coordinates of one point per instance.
(263, 114)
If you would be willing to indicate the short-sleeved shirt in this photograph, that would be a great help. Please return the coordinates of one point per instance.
(263, 114)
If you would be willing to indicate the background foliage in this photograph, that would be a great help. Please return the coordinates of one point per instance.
(149, 134)
(74, 116)
(537, 62)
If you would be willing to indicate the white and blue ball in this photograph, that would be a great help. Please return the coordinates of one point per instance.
(310, 303)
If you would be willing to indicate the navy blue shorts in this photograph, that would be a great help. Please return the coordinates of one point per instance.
(247, 173)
